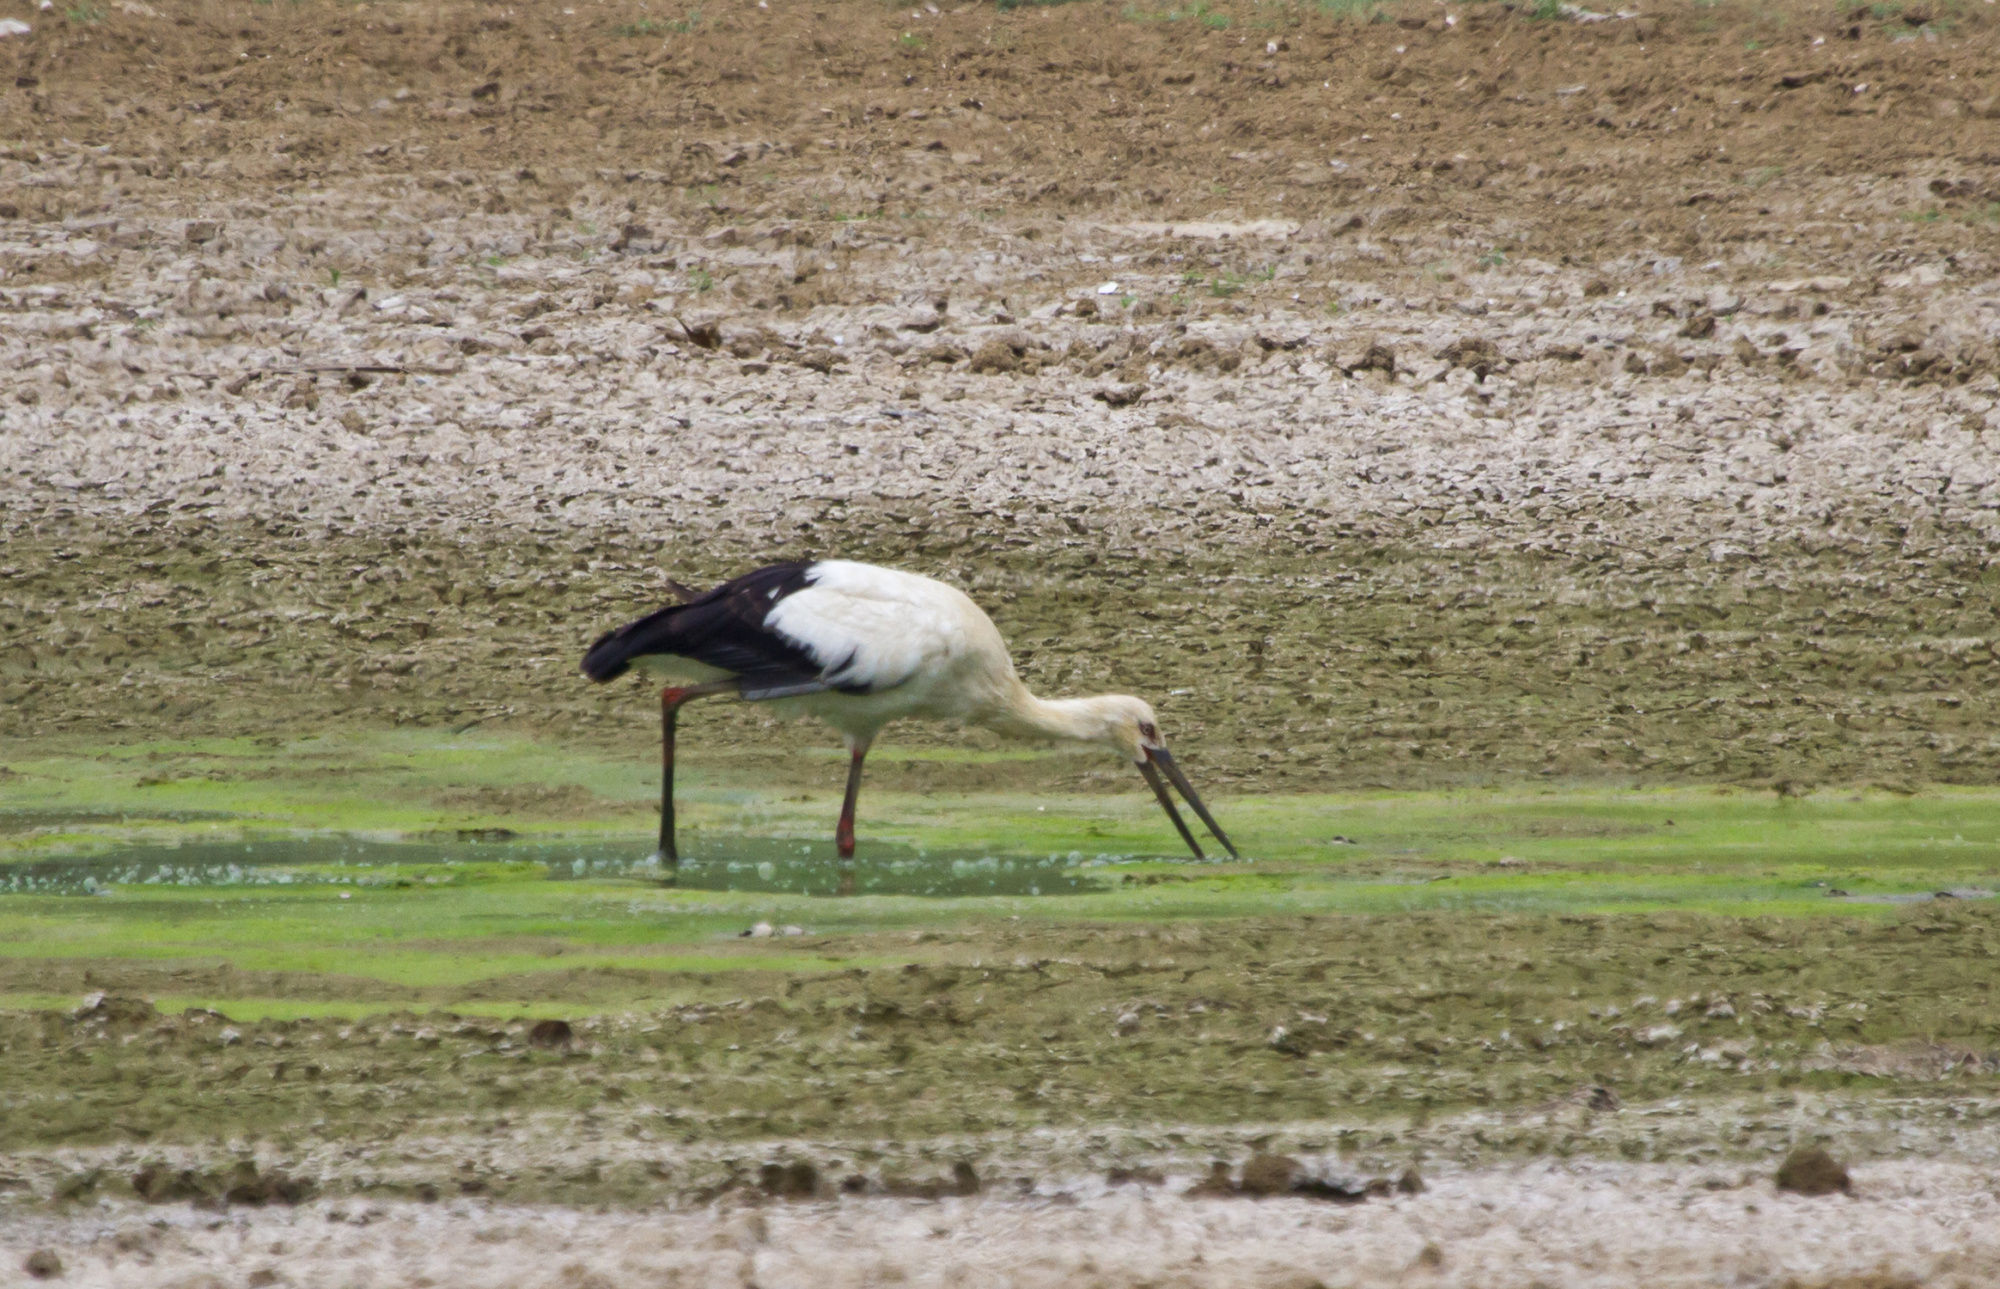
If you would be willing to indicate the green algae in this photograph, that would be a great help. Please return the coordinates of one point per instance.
(1491, 870)
(340, 880)
(1380, 957)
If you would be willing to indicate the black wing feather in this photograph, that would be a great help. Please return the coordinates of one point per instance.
(723, 627)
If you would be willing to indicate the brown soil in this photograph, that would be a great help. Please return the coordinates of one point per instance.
(1552, 1027)
(1476, 394)
(1590, 1225)
(1480, 394)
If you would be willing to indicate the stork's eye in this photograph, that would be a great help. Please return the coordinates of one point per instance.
(1148, 730)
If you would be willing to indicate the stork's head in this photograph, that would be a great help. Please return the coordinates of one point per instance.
(1130, 728)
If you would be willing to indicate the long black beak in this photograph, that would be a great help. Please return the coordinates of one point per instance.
(1157, 760)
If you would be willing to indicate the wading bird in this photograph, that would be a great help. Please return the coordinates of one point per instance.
(859, 646)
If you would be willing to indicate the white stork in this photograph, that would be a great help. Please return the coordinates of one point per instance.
(859, 646)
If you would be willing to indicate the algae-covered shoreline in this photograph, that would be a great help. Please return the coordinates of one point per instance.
(1378, 955)
(1005, 1033)
(1540, 470)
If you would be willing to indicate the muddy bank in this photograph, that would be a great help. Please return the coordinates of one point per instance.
(1363, 663)
(1460, 396)
(1012, 1029)
(1907, 1222)
(1432, 402)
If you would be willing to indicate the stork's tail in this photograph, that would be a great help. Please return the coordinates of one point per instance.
(614, 651)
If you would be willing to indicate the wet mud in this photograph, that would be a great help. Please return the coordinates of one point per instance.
(1365, 665)
(1430, 403)
(1401, 397)
(927, 1034)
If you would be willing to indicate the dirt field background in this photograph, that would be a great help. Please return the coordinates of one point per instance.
(1479, 394)
(1404, 397)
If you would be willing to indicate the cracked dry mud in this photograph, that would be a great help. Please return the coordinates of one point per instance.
(1496, 398)
(1455, 397)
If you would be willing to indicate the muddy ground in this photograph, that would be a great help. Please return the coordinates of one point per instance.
(1569, 1101)
(1474, 393)
(1000, 1031)
(1599, 1225)
(1476, 398)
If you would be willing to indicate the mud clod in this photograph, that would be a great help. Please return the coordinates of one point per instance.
(551, 1033)
(1810, 1170)
(963, 1181)
(249, 1184)
(703, 334)
(42, 1264)
(1265, 1174)
(1220, 1180)
(158, 1184)
(1475, 353)
(792, 1179)
(1359, 357)
(242, 1183)
(114, 1011)
(996, 357)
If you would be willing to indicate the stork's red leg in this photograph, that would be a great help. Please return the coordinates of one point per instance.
(843, 834)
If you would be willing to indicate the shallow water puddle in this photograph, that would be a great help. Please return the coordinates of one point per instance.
(719, 864)
(23, 821)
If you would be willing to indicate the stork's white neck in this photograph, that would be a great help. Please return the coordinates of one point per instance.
(1078, 720)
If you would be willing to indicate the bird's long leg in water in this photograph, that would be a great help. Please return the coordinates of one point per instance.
(843, 833)
(672, 698)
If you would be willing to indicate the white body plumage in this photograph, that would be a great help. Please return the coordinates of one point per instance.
(859, 646)
(901, 644)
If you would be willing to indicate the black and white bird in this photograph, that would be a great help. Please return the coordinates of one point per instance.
(859, 646)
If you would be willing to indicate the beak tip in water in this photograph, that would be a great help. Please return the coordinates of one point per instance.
(1157, 759)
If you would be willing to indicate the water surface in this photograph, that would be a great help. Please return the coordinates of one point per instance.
(718, 864)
